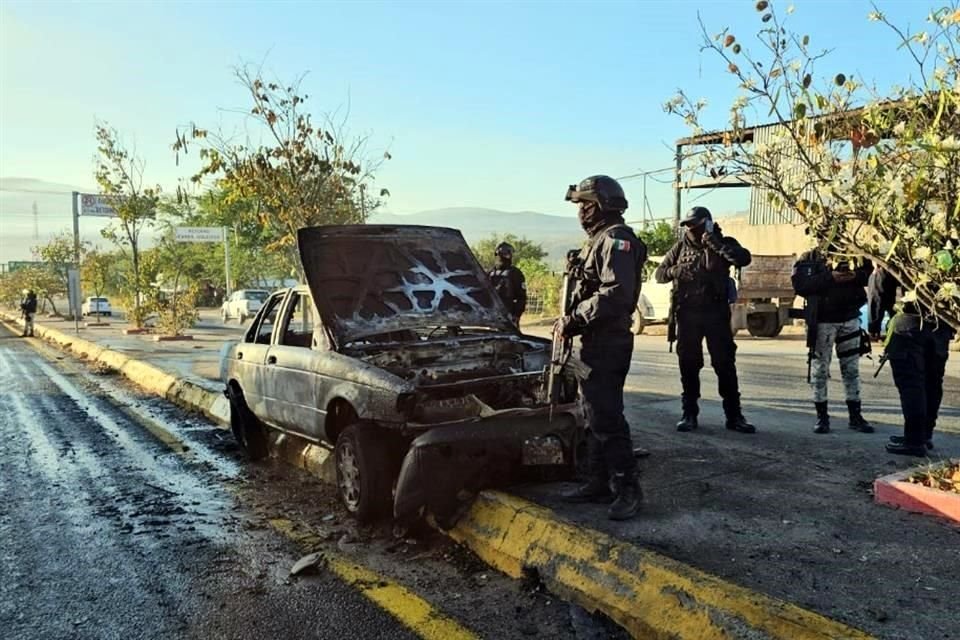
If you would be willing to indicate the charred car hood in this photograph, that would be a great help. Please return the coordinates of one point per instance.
(374, 279)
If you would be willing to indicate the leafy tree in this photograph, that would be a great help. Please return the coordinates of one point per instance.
(119, 174)
(98, 272)
(57, 256)
(304, 175)
(874, 173)
(658, 238)
(40, 278)
(523, 250)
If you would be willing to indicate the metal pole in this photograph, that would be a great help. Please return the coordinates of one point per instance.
(676, 194)
(75, 299)
(226, 260)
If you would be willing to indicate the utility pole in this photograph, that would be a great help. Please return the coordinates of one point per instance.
(36, 222)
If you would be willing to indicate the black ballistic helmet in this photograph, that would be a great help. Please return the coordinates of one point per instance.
(603, 190)
(504, 249)
(696, 216)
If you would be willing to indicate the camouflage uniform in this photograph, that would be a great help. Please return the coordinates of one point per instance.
(845, 338)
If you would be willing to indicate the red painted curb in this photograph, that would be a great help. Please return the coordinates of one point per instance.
(894, 490)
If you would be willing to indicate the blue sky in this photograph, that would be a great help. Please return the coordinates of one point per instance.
(490, 104)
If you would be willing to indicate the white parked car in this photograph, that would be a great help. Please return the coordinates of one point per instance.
(243, 304)
(96, 306)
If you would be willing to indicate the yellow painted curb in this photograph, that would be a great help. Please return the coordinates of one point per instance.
(411, 610)
(650, 595)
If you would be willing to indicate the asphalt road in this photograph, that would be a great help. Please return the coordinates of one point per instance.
(111, 528)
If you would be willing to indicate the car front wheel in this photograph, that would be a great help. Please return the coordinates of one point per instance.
(365, 471)
(250, 433)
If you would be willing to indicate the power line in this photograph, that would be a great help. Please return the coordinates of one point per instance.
(65, 193)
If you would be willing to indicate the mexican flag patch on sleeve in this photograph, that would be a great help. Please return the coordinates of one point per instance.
(621, 245)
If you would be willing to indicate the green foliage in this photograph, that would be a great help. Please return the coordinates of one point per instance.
(44, 282)
(523, 250)
(305, 175)
(658, 238)
(119, 174)
(543, 284)
(98, 272)
(873, 172)
(57, 256)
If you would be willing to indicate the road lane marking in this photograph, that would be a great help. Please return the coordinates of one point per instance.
(411, 610)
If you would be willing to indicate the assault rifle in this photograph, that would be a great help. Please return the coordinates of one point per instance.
(561, 349)
(672, 319)
(808, 314)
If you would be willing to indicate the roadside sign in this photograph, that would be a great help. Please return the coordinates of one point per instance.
(198, 234)
(15, 265)
(92, 204)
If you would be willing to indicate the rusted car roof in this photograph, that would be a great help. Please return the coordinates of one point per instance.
(374, 279)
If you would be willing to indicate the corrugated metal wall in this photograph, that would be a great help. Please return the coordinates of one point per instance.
(761, 209)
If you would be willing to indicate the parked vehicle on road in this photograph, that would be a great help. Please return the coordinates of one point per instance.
(764, 298)
(94, 306)
(242, 304)
(399, 355)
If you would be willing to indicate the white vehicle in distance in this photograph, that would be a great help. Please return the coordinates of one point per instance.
(243, 304)
(96, 306)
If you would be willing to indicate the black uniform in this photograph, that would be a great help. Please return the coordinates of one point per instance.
(511, 286)
(917, 350)
(603, 304)
(28, 306)
(700, 271)
(883, 298)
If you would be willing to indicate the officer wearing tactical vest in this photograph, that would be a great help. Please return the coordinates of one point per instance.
(699, 266)
(839, 293)
(509, 282)
(605, 296)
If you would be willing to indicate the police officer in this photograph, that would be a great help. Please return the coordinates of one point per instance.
(602, 305)
(699, 266)
(509, 282)
(28, 308)
(917, 349)
(840, 294)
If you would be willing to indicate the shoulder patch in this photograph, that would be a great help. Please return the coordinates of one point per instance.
(622, 245)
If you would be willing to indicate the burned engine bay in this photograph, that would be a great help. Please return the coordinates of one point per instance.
(463, 376)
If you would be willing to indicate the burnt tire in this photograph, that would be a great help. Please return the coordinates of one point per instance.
(366, 469)
(250, 433)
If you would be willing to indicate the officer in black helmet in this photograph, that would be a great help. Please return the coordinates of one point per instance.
(602, 305)
(509, 282)
(699, 266)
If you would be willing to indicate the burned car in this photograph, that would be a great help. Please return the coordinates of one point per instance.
(400, 356)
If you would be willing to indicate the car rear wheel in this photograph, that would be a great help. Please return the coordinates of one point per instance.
(365, 471)
(250, 433)
(639, 322)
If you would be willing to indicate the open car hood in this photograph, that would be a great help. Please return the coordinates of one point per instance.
(374, 279)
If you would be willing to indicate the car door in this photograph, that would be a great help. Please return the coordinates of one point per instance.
(252, 356)
(292, 364)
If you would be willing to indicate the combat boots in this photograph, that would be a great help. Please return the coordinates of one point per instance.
(688, 422)
(629, 495)
(823, 418)
(595, 490)
(737, 422)
(857, 421)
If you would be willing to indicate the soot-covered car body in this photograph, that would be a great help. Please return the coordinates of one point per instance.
(400, 355)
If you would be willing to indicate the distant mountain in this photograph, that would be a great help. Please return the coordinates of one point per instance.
(18, 233)
(557, 234)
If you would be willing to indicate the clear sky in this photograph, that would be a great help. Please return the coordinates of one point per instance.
(489, 104)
